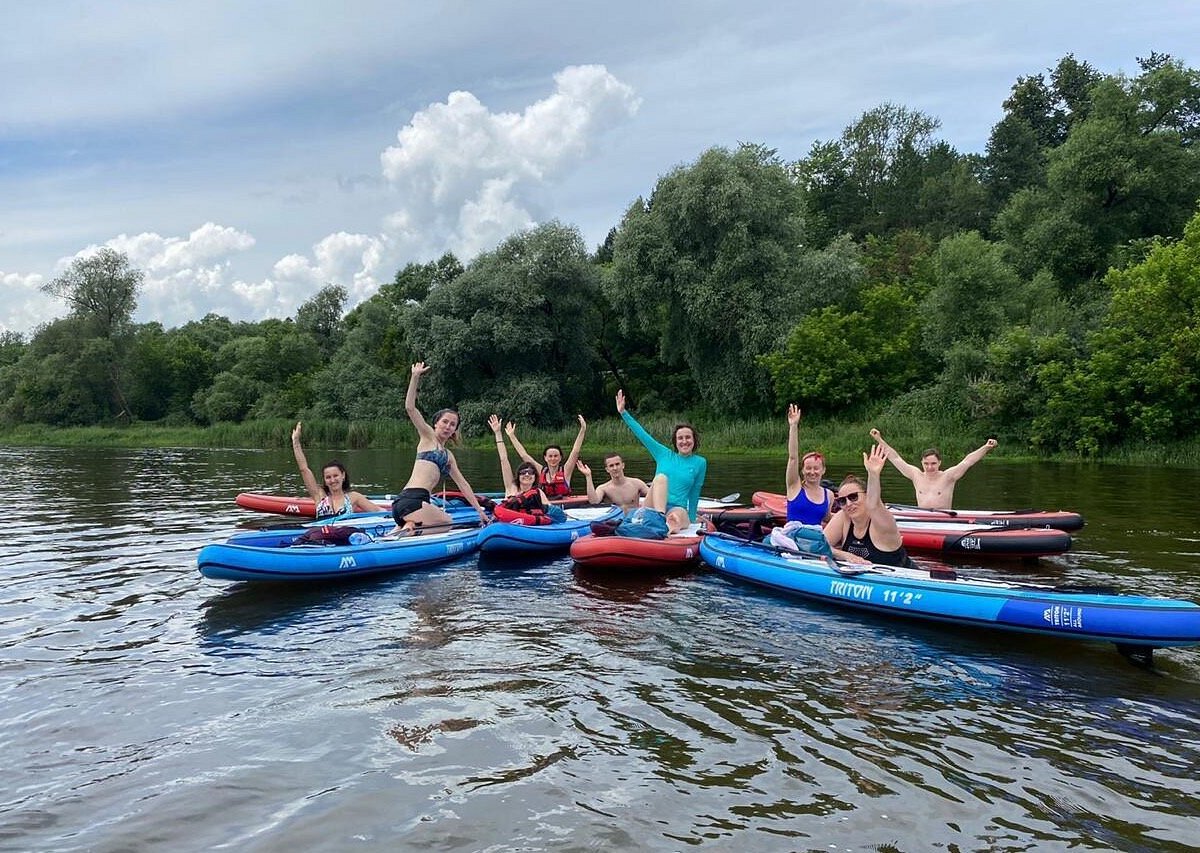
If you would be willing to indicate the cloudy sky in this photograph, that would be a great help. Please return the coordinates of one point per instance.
(244, 154)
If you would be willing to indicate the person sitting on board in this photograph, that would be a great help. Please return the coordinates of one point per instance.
(808, 501)
(864, 530)
(554, 476)
(521, 492)
(622, 491)
(680, 464)
(654, 519)
(333, 496)
(412, 508)
(935, 487)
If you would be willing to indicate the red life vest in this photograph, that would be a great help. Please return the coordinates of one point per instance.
(524, 508)
(555, 486)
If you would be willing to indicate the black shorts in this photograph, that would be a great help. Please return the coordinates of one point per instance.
(408, 501)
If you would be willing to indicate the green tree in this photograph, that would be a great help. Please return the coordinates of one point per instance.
(1125, 172)
(835, 360)
(515, 333)
(1141, 378)
(415, 281)
(704, 270)
(321, 318)
(101, 290)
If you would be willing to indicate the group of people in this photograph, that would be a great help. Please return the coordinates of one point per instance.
(668, 504)
(856, 523)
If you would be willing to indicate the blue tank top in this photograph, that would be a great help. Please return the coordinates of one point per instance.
(439, 457)
(801, 509)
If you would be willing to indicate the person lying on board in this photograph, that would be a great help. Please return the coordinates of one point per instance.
(622, 491)
(412, 508)
(333, 496)
(808, 501)
(680, 464)
(521, 492)
(653, 519)
(554, 476)
(864, 529)
(935, 487)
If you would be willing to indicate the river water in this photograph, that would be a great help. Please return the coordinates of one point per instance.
(521, 705)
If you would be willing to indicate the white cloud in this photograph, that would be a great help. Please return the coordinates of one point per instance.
(465, 178)
(25, 306)
(472, 176)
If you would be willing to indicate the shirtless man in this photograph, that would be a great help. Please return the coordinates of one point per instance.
(625, 492)
(935, 487)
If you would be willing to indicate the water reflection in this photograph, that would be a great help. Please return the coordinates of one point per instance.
(559, 709)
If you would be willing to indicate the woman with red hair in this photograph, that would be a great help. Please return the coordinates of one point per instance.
(808, 501)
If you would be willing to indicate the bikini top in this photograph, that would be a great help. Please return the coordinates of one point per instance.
(439, 457)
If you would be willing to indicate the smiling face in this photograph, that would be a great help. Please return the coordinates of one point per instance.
(553, 456)
(931, 463)
(526, 477)
(334, 476)
(850, 499)
(814, 468)
(615, 466)
(684, 440)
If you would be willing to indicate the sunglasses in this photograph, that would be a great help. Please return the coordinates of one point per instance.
(845, 499)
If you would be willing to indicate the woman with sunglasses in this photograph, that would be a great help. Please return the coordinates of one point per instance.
(554, 477)
(683, 467)
(522, 493)
(808, 502)
(864, 530)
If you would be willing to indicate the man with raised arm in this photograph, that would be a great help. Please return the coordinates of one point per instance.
(622, 491)
(935, 487)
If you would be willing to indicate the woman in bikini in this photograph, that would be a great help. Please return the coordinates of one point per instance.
(865, 531)
(334, 495)
(412, 508)
(554, 477)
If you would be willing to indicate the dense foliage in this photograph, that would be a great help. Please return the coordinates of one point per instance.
(1046, 291)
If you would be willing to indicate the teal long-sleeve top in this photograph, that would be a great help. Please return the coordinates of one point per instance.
(685, 474)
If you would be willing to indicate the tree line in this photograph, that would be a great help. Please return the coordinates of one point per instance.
(1045, 291)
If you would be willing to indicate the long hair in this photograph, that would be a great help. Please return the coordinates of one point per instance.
(437, 416)
(336, 463)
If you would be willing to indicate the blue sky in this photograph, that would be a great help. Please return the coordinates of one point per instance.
(246, 154)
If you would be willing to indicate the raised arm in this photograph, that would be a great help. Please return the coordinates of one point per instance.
(505, 467)
(792, 476)
(410, 401)
(310, 481)
(594, 495)
(909, 471)
(657, 450)
(573, 457)
(886, 534)
(971, 458)
(511, 429)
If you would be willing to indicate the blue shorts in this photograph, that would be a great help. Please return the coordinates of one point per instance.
(643, 523)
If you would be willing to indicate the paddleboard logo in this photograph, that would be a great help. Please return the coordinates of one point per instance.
(454, 548)
(292, 509)
(857, 591)
(347, 563)
(970, 543)
(1063, 616)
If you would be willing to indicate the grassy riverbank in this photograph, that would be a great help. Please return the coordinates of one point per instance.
(840, 438)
